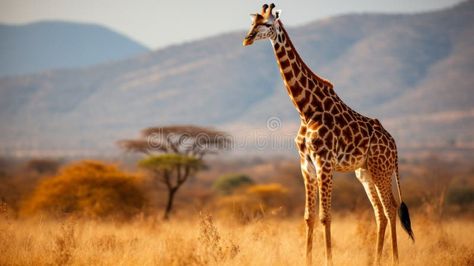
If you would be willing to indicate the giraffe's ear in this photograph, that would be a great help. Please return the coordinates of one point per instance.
(277, 14)
(252, 16)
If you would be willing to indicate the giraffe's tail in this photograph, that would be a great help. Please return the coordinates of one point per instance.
(405, 220)
(403, 213)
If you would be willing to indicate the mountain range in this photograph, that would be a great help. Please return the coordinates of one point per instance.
(411, 71)
(48, 45)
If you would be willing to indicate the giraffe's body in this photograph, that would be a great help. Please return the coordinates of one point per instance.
(333, 137)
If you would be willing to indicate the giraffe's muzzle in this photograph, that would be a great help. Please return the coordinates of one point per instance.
(248, 39)
(247, 42)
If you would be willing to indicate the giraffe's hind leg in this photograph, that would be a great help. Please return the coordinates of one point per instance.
(383, 186)
(366, 179)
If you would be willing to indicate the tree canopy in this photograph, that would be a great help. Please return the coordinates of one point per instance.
(171, 169)
(181, 139)
(228, 183)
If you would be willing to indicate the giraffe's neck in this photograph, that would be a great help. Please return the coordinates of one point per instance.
(306, 90)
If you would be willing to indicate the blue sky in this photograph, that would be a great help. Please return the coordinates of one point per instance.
(158, 23)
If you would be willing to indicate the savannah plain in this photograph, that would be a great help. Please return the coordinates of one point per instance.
(259, 223)
(412, 71)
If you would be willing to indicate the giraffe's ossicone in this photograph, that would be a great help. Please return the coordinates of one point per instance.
(333, 137)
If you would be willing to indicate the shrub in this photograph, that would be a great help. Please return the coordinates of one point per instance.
(461, 196)
(88, 189)
(255, 202)
(228, 183)
(272, 195)
(43, 165)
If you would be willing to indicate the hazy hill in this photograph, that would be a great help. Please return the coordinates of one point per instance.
(49, 45)
(414, 72)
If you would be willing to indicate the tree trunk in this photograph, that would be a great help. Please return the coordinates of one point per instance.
(169, 205)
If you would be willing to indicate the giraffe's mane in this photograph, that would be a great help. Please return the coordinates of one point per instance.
(324, 81)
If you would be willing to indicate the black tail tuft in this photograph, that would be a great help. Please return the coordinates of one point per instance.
(405, 220)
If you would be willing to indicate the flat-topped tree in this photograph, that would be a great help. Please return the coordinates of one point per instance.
(175, 153)
(172, 170)
(180, 139)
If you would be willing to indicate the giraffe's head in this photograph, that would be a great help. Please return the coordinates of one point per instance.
(263, 25)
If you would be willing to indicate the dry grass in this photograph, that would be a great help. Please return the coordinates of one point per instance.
(205, 240)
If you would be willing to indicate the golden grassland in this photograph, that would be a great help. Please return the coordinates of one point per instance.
(204, 240)
(260, 224)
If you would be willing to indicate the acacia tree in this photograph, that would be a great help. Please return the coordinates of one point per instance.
(175, 153)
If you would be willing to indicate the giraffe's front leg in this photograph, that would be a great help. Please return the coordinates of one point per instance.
(311, 187)
(325, 174)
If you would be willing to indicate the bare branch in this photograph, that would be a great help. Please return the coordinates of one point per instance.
(134, 145)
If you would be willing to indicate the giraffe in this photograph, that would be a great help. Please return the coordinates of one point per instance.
(333, 137)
